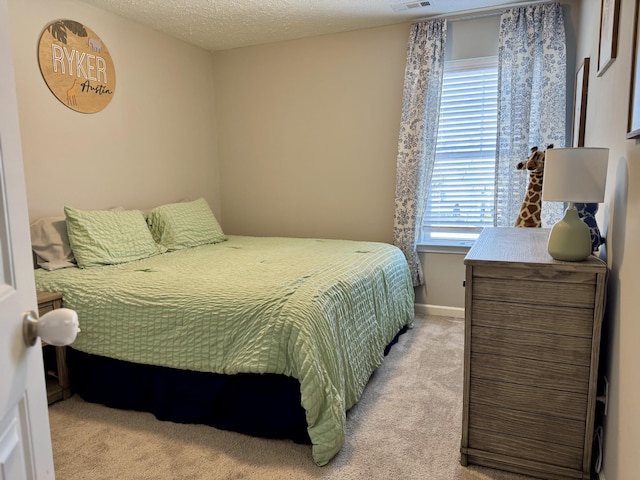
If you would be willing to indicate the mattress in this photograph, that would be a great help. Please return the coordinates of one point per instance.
(321, 311)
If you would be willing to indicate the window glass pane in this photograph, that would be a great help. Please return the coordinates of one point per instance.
(461, 196)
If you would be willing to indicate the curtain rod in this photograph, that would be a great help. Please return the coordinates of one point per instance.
(480, 12)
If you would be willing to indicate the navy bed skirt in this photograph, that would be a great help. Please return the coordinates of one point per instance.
(265, 405)
(261, 405)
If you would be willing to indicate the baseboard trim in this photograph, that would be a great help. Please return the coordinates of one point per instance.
(425, 309)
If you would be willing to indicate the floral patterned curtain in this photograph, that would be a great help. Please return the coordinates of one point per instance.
(532, 102)
(418, 133)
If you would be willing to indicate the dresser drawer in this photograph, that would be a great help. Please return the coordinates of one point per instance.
(529, 292)
(562, 376)
(48, 301)
(545, 428)
(571, 321)
(537, 274)
(524, 449)
(536, 346)
(46, 307)
(528, 399)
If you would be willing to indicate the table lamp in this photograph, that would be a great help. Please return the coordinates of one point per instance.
(573, 175)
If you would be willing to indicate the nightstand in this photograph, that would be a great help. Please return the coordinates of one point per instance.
(56, 372)
(532, 343)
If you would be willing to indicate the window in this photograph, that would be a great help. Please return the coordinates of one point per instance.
(460, 201)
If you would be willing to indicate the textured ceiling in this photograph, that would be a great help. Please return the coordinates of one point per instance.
(223, 24)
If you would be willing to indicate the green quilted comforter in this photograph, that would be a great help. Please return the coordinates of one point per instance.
(321, 311)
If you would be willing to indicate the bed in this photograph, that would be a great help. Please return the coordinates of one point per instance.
(174, 313)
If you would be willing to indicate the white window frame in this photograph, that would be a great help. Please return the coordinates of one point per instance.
(460, 235)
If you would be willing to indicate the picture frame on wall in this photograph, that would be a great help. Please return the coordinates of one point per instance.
(633, 125)
(580, 104)
(608, 43)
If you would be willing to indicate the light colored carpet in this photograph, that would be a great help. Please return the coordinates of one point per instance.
(407, 426)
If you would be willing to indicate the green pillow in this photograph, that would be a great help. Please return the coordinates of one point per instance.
(186, 224)
(107, 237)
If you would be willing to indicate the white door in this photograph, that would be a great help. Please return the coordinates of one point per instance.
(25, 442)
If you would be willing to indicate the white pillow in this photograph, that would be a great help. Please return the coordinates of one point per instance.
(50, 243)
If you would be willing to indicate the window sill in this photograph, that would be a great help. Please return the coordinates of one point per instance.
(458, 247)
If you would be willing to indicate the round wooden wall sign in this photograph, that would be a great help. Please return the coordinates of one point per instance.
(76, 66)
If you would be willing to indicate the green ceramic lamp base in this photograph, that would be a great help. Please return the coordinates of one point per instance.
(569, 239)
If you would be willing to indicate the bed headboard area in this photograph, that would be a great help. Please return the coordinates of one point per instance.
(87, 238)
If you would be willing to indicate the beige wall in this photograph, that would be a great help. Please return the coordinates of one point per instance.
(308, 134)
(154, 143)
(607, 107)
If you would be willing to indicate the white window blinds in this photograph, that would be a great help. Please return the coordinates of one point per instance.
(460, 201)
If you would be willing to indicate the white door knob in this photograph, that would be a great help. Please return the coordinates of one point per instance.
(58, 327)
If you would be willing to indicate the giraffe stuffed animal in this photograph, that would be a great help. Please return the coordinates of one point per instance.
(531, 208)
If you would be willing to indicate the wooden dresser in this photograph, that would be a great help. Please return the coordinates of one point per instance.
(532, 342)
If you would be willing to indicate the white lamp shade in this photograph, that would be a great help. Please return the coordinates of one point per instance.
(575, 175)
